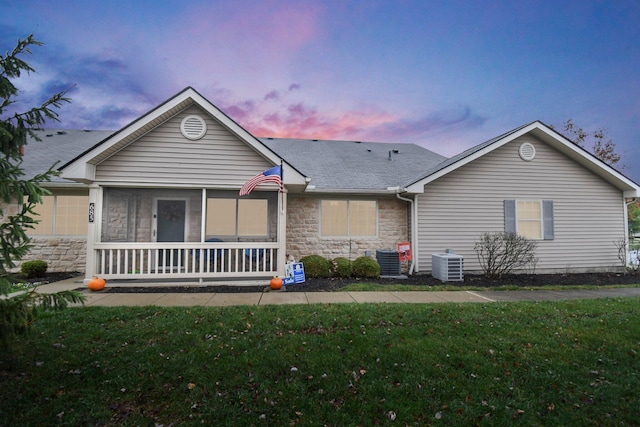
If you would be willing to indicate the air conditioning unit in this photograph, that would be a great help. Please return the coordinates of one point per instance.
(389, 261)
(447, 267)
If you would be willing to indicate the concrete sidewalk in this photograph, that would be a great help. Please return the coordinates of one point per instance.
(283, 297)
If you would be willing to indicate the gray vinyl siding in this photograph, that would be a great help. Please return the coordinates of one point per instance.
(588, 213)
(164, 156)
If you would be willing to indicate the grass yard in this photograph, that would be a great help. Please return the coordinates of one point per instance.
(552, 363)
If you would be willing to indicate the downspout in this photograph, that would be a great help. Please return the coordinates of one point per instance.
(627, 237)
(413, 228)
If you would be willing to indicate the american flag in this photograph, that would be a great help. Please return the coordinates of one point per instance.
(270, 175)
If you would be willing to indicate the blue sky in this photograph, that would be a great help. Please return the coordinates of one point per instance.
(443, 74)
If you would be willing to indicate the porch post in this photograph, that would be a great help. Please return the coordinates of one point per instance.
(282, 233)
(93, 230)
(203, 219)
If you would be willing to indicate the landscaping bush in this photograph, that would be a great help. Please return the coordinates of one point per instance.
(316, 266)
(503, 252)
(35, 268)
(341, 267)
(366, 267)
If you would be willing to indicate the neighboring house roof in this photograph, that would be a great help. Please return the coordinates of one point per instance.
(57, 145)
(352, 166)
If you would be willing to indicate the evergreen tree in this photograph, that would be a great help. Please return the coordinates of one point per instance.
(17, 312)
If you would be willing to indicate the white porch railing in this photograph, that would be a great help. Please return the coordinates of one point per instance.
(185, 260)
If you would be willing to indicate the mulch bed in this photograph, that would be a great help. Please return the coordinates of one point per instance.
(335, 284)
(331, 285)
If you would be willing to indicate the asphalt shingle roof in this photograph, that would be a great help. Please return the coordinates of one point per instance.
(353, 165)
(331, 165)
(57, 145)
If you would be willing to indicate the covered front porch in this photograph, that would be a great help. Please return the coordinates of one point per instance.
(185, 234)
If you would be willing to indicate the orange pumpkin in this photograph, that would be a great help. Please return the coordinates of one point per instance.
(96, 284)
(275, 283)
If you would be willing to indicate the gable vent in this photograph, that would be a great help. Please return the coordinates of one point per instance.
(527, 151)
(193, 127)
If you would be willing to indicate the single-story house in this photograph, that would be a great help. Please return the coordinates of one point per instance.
(159, 198)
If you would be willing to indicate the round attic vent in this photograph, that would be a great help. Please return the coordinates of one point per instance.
(527, 151)
(193, 127)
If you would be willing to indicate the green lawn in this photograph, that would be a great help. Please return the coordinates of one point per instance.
(552, 363)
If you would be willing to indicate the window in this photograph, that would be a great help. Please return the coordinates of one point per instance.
(237, 217)
(61, 216)
(529, 219)
(354, 218)
(532, 219)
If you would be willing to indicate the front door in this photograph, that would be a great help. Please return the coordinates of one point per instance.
(171, 220)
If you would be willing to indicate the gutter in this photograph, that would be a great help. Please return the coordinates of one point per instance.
(366, 191)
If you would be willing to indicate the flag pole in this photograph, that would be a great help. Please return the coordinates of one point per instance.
(282, 186)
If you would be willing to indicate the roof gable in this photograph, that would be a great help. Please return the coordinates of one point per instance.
(546, 135)
(83, 167)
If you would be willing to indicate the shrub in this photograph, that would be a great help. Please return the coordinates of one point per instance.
(629, 258)
(502, 252)
(366, 267)
(35, 268)
(341, 267)
(316, 266)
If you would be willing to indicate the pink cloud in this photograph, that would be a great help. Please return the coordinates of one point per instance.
(302, 121)
(275, 116)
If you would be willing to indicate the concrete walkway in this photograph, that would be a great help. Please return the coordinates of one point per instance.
(283, 297)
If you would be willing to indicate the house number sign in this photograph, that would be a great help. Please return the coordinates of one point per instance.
(92, 211)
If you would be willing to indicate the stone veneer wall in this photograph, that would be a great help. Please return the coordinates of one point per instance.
(303, 230)
(60, 253)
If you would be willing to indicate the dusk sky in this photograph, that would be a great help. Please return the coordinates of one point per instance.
(446, 75)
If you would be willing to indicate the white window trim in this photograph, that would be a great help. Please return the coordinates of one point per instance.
(54, 220)
(541, 219)
(236, 236)
(547, 215)
(348, 236)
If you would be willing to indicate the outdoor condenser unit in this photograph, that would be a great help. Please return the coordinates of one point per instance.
(447, 267)
(389, 263)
